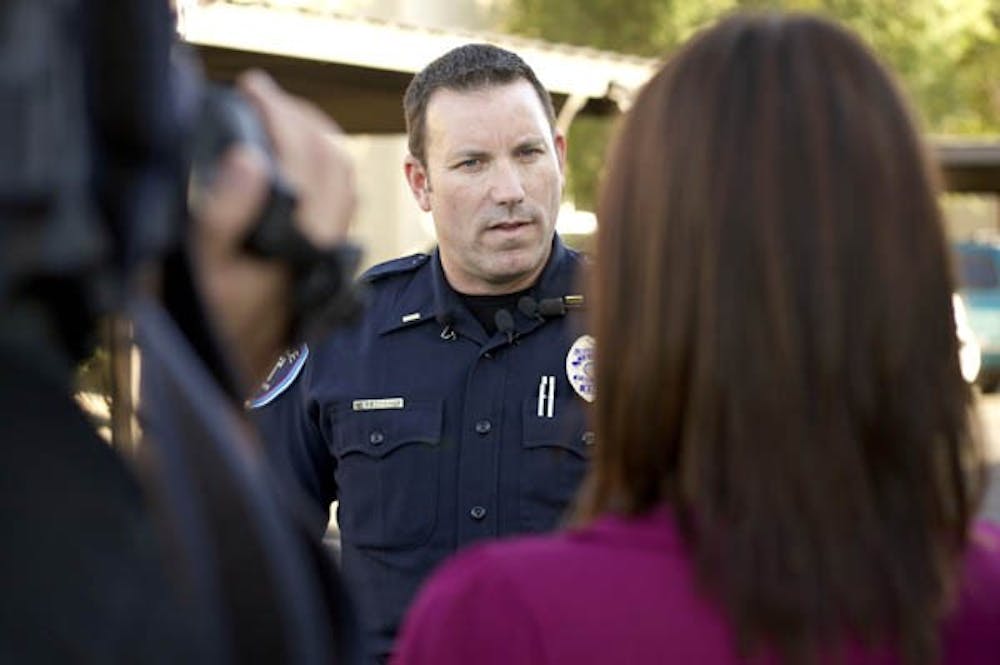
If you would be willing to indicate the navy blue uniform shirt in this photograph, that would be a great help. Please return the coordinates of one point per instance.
(431, 434)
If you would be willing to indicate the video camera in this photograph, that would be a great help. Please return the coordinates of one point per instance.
(105, 119)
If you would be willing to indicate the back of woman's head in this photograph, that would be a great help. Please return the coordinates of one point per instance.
(776, 347)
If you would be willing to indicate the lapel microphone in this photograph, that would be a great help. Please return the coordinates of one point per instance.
(529, 307)
(505, 324)
(548, 307)
(446, 319)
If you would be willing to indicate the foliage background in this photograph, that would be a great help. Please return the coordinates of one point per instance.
(946, 53)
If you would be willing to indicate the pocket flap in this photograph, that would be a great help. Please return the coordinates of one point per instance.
(566, 430)
(378, 433)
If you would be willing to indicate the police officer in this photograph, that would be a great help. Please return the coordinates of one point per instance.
(453, 412)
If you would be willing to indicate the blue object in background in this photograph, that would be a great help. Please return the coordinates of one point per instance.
(978, 264)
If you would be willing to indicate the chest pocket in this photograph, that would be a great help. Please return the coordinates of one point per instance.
(387, 474)
(554, 457)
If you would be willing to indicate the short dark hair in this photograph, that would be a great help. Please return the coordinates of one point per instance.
(468, 67)
(776, 348)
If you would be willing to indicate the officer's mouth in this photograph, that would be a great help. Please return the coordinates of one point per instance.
(511, 226)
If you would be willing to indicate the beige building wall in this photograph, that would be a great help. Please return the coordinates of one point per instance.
(969, 215)
(388, 222)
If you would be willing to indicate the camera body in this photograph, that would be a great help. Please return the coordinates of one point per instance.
(323, 295)
(225, 119)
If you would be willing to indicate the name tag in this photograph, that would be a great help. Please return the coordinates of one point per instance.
(377, 404)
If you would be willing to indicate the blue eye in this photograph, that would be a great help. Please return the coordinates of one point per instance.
(470, 164)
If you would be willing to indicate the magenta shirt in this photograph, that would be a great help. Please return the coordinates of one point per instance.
(622, 591)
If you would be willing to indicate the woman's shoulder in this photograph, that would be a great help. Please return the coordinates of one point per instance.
(508, 601)
(606, 540)
(531, 571)
(971, 634)
(981, 568)
(504, 561)
(471, 610)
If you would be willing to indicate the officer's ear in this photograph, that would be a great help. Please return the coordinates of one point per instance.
(419, 181)
(559, 144)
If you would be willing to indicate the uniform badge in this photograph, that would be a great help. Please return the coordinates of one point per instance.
(580, 367)
(282, 375)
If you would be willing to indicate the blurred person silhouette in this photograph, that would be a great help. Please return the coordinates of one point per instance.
(193, 554)
(786, 468)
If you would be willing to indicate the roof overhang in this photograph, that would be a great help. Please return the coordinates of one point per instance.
(357, 68)
(969, 166)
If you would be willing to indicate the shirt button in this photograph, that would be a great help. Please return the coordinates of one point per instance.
(376, 438)
(484, 427)
(477, 513)
(588, 438)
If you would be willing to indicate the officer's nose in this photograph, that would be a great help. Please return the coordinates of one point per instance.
(506, 186)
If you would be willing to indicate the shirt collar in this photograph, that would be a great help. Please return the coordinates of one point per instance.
(419, 304)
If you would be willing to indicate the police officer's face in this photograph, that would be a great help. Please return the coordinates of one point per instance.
(493, 184)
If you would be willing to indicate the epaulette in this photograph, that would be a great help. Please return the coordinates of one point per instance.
(394, 267)
(283, 374)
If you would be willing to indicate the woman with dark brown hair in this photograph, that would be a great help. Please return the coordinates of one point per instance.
(785, 467)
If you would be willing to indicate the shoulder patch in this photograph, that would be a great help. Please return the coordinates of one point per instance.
(282, 375)
(395, 267)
